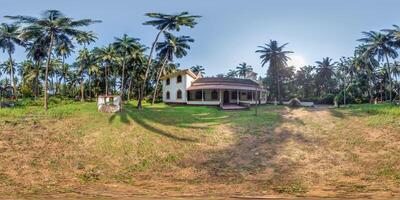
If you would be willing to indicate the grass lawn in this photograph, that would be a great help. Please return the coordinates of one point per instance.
(194, 150)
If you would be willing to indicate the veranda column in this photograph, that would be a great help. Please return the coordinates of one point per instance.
(252, 96)
(237, 96)
(202, 95)
(220, 96)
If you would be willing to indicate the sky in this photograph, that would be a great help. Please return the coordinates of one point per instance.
(230, 31)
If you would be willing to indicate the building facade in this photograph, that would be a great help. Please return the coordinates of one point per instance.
(186, 87)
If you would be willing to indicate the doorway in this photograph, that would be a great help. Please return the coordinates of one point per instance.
(226, 96)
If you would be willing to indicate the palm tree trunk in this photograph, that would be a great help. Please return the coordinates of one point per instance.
(90, 88)
(12, 73)
(106, 77)
(139, 105)
(278, 87)
(82, 90)
(390, 77)
(47, 71)
(123, 78)
(158, 79)
(37, 79)
(129, 89)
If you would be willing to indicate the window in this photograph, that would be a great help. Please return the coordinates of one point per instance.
(179, 79)
(198, 94)
(249, 95)
(168, 95)
(214, 95)
(188, 95)
(167, 81)
(234, 95)
(179, 94)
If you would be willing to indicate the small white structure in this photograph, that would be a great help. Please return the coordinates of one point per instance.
(109, 103)
(186, 87)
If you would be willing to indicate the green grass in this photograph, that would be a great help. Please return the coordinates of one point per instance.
(376, 115)
(72, 144)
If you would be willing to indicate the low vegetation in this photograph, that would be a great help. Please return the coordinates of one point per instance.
(193, 150)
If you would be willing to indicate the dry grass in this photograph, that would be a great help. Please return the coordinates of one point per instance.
(166, 150)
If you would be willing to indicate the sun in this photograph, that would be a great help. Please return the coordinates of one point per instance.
(297, 61)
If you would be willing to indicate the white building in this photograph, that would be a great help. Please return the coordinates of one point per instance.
(186, 87)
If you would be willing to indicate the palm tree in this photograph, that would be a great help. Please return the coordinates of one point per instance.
(232, 73)
(53, 26)
(8, 39)
(36, 51)
(84, 39)
(63, 50)
(164, 22)
(124, 47)
(325, 72)
(243, 69)
(365, 60)
(277, 58)
(170, 48)
(107, 56)
(198, 69)
(380, 45)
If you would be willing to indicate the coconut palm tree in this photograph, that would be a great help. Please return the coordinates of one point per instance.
(8, 40)
(124, 47)
(380, 45)
(232, 73)
(365, 61)
(170, 48)
(52, 26)
(107, 56)
(63, 50)
(276, 56)
(243, 69)
(164, 22)
(84, 39)
(36, 51)
(325, 71)
(198, 69)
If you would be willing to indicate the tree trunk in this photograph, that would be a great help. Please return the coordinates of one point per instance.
(390, 78)
(12, 81)
(106, 78)
(158, 80)
(139, 105)
(47, 71)
(129, 90)
(90, 88)
(122, 78)
(279, 88)
(37, 79)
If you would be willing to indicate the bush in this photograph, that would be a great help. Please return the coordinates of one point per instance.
(327, 99)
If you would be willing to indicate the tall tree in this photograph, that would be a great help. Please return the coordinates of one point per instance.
(198, 69)
(164, 22)
(107, 56)
(276, 56)
(124, 47)
(325, 72)
(84, 39)
(52, 26)
(381, 46)
(8, 40)
(243, 69)
(170, 48)
(232, 73)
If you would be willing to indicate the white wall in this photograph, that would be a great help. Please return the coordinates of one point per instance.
(173, 88)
